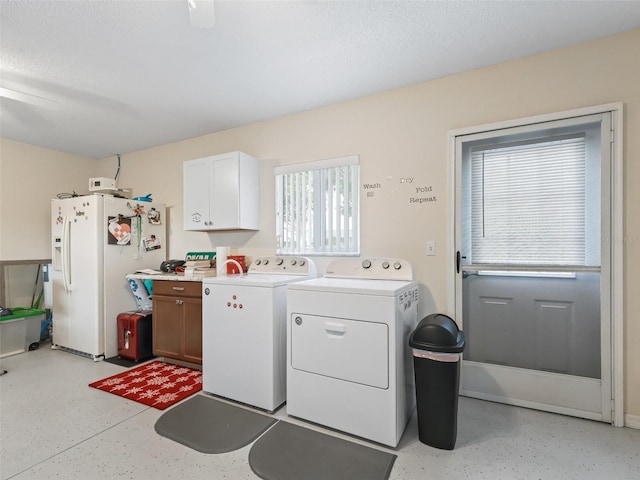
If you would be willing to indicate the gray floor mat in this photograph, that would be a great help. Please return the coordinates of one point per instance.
(291, 452)
(209, 425)
(123, 362)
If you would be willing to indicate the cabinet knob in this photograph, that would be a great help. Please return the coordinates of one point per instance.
(180, 289)
(179, 302)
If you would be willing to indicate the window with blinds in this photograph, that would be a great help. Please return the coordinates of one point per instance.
(528, 202)
(317, 207)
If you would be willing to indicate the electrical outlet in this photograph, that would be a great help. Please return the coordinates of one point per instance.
(431, 247)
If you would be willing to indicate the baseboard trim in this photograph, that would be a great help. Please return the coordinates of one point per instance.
(632, 421)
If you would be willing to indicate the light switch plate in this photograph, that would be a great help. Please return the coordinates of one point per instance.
(431, 247)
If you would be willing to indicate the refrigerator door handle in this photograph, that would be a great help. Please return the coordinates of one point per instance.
(66, 254)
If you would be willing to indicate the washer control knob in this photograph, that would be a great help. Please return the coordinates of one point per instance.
(302, 262)
(258, 261)
(266, 261)
(298, 320)
(385, 265)
(279, 261)
(366, 264)
(293, 261)
(397, 266)
(207, 291)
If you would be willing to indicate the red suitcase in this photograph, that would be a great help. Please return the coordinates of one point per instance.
(134, 335)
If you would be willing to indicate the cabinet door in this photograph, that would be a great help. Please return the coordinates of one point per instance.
(192, 329)
(225, 193)
(167, 326)
(197, 181)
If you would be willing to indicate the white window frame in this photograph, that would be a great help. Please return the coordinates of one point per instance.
(348, 228)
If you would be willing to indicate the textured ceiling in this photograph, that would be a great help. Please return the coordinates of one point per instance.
(125, 75)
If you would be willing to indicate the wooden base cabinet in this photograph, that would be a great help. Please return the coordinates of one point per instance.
(177, 320)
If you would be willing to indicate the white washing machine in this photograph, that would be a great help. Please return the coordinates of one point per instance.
(244, 331)
(348, 363)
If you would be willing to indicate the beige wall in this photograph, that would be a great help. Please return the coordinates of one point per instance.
(402, 134)
(29, 178)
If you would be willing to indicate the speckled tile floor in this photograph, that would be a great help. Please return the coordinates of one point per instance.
(52, 425)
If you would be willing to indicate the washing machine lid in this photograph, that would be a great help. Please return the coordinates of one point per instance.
(255, 280)
(354, 286)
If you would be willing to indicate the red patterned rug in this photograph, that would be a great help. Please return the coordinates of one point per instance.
(157, 384)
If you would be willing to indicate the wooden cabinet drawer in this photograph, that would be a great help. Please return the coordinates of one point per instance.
(178, 288)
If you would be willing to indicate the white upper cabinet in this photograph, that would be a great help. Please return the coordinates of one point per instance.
(221, 192)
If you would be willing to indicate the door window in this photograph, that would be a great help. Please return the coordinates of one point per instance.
(534, 200)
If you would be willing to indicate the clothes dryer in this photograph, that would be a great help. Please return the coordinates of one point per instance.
(244, 331)
(348, 362)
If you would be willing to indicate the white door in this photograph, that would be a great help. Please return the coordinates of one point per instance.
(334, 347)
(243, 336)
(197, 179)
(225, 190)
(59, 271)
(532, 203)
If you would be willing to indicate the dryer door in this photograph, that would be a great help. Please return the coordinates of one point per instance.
(351, 350)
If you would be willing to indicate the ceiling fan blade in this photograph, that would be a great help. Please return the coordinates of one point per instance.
(202, 13)
(28, 98)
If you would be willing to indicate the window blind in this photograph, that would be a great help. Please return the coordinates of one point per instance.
(317, 209)
(528, 202)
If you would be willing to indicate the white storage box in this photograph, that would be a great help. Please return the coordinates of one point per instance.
(21, 331)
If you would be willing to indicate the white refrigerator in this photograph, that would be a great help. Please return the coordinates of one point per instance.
(96, 241)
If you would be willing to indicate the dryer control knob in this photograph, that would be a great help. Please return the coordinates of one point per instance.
(385, 265)
(293, 261)
(397, 266)
(298, 320)
(366, 264)
(279, 261)
(207, 291)
(302, 263)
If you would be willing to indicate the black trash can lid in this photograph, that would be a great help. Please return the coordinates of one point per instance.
(437, 333)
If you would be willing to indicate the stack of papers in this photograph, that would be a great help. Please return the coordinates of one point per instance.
(150, 271)
(198, 264)
(199, 269)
